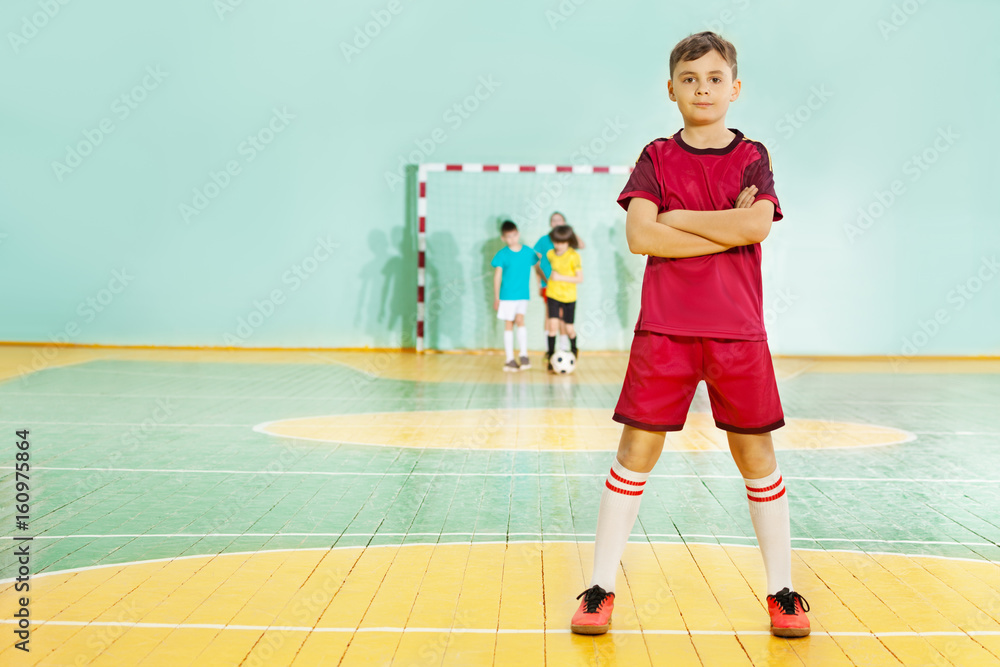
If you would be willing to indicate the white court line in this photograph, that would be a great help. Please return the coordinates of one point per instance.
(88, 568)
(158, 425)
(234, 397)
(489, 631)
(331, 473)
(635, 536)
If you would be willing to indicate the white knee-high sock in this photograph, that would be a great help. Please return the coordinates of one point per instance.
(508, 344)
(769, 513)
(619, 509)
(522, 340)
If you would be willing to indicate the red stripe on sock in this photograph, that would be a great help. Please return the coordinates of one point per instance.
(764, 500)
(624, 492)
(625, 481)
(766, 488)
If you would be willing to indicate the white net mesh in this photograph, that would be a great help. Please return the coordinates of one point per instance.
(464, 212)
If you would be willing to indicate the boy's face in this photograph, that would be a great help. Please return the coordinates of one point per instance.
(511, 238)
(703, 88)
(560, 246)
(556, 220)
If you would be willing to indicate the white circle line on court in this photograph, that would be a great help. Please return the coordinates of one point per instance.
(490, 631)
(907, 436)
(88, 568)
(638, 537)
(331, 473)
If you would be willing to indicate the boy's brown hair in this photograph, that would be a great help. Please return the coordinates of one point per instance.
(564, 234)
(695, 46)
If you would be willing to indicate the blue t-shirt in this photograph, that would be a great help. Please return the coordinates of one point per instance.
(516, 272)
(542, 248)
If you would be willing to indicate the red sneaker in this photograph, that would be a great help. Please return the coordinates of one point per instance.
(788, 614)
(594, 615)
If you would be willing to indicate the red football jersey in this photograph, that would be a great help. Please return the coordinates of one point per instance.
(715, 296)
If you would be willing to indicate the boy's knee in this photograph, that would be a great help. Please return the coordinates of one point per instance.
(754, 454)
(639, 450)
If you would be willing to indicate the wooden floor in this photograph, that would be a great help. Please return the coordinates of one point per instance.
(350, 508)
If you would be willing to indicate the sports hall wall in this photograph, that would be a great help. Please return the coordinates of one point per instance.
(219, 172)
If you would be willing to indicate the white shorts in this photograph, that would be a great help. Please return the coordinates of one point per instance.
(508, 309)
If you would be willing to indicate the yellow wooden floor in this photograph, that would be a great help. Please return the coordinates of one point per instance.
(508, 604)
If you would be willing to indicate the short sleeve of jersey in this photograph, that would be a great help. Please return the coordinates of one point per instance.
(577, 264)
(498, 259)
(759, 173)
(642, 183)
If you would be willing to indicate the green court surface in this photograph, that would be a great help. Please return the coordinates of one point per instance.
(144, 460)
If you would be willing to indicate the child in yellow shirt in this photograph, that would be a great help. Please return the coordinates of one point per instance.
(567, 272)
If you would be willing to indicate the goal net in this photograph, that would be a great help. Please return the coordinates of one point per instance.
(459, 210)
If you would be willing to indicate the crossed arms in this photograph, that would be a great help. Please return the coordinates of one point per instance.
(681, 233)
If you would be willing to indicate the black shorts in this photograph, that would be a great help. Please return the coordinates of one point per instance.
(568, 310)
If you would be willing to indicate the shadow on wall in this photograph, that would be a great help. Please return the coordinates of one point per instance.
(625, 283)
(385, 291)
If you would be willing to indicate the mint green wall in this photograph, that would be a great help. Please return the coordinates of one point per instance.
(886, 81)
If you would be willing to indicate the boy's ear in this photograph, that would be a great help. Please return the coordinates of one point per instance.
(670, 89)
(737, 87)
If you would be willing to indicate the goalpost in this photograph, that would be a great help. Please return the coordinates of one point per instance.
(459, 211)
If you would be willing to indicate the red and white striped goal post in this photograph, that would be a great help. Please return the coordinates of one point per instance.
(424, 169)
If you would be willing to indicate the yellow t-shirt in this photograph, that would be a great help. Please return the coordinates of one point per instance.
(567, 264)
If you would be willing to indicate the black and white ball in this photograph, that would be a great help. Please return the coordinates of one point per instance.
(563, 362)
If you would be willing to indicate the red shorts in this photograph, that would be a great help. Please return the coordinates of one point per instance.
(664, 370)
(541, 293)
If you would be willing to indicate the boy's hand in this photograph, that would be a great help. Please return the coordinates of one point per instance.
(745, 200)
(496, 304)
(555, 276)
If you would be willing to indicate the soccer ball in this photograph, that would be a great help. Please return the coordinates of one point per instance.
(563, 362)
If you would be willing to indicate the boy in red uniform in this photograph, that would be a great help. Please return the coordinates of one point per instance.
(698, 204)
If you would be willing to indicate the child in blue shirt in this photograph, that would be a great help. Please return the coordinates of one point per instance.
(510, 293)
